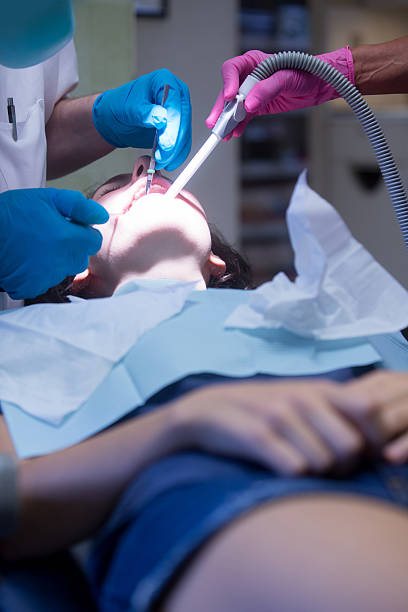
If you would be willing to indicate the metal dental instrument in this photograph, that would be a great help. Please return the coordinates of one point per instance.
(152, 166)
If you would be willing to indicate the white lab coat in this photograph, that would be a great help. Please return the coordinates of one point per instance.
(35, 91)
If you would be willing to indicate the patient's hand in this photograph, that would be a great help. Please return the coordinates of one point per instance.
(290, 427)
(378, 404)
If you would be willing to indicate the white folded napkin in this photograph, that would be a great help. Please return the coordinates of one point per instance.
(341, 291)
(53, 356)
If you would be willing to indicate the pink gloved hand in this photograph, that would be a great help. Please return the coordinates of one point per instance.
(283, 91)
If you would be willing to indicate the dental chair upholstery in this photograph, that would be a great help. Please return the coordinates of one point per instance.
(38, 585)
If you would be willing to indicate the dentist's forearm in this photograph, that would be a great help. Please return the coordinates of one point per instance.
(382, 68)
(66, 496)
(72, 139)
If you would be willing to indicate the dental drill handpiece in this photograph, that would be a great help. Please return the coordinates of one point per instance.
(152, 166)
(233, 113)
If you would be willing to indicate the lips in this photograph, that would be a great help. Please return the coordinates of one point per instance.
(159, 185)
(158, 188)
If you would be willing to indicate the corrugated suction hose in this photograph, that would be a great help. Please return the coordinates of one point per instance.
(296, 60)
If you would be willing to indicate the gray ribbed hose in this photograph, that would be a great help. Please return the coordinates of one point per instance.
(295, 60)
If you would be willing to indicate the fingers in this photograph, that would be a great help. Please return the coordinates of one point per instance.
(77, 207)
(252, 439)
(81, 240)
(262, 93)
(212, 420)
(88, 241)
(394, 419)
(397, 451)
(167, 137)
(305, 414)
(35, 286)
(232, 76)
(378, 404)
(139, 102)
(392, 423)
(277, 453)
(216, 111)
(379, 387)
(154, 116)
(179, 157)
(65, 262)
(172, 107)
(234, 72)
(295, 427)
(88, 212)
(307, 418)
(258, 98)
(267, 90)
(256, 102)
(291, 428)
(174, 141)
(129, 115)
(239, 130)
(296, 431)
(344, 439)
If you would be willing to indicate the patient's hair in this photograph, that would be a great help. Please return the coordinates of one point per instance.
(55, 295)
(237, 275)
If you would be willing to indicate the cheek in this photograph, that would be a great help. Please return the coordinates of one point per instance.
(107, 231)
(125, 234)
(204, 236)
(190, 224)
(199, 226)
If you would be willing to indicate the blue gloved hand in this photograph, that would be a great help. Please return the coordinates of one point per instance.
(126, 117)
(39, 245)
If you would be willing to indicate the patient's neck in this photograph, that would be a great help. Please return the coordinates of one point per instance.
(185, 269)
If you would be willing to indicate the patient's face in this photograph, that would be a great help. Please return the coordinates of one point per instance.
(142, 229)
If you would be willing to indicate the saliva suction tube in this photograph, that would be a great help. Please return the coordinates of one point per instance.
(234, 112)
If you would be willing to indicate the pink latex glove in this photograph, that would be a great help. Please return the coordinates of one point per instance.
(284, 91)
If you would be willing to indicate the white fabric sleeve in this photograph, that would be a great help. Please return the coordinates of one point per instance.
(393, 350)
(60, 77)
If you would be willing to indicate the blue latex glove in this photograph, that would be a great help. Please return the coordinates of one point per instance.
(126, 117)
(39, 246)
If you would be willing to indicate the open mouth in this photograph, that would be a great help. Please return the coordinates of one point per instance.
(158, 186)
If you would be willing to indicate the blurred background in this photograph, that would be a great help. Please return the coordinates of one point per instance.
(246, 184)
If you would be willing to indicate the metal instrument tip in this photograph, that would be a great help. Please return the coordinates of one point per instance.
(149, 181)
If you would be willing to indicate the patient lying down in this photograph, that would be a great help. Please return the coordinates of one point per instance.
(282, 438)
(154, 237)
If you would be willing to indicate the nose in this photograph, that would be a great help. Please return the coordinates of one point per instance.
(141, 166)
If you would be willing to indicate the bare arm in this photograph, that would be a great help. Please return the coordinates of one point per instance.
(382, 68)
(66, 496)
(289, 427)
(72, 139)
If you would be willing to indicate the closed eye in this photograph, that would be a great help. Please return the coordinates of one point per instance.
(108, 189)
(114, 183)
